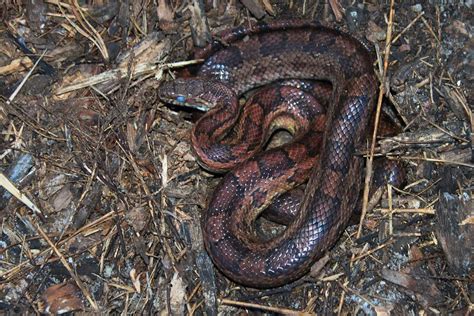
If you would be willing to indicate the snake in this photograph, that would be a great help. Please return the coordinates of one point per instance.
(229, 138)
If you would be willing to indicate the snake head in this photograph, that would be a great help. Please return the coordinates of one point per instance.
(197, 93)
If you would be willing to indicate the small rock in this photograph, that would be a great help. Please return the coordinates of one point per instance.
(417, 8)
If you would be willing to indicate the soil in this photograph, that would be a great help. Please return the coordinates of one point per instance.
(108, 219)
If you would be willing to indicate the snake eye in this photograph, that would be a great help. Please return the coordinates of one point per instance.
(180, 99)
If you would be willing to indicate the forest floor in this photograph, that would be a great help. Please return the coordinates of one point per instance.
(112, 196)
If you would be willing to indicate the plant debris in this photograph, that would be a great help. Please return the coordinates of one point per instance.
(101, 196)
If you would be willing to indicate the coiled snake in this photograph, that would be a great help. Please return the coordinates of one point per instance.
(248, 57)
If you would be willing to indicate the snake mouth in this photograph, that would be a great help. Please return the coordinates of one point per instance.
(199, 105)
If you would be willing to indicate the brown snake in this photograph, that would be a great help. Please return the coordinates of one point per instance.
(248, 57)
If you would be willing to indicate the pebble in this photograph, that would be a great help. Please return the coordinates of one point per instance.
(417, 8)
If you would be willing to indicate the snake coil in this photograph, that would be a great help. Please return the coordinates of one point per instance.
(248, 57)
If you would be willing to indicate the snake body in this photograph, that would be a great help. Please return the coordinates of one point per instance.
(248, 57)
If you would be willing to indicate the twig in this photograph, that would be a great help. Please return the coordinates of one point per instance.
(368, 174)
(279, 310)
(63, 260)
(9, 274)
(22, 83)
(90, 33)
(407, 27)
(371, 251)
(121, 73)
(447, 162)
(430, 211)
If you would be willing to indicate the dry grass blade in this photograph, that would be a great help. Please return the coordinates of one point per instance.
(114, 168)
(4, 181)
(87, 29)
(10, 187)
(85, 23)
(17, 90)
(73, 274)
(368, 174)
(8, 275)
(443, 161)
(371, 251)
(407, 27)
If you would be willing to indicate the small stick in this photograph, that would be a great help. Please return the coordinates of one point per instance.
(279, 310)
(407, 27)
(370, 159)
(430, 211)
(63, 260)
(371, 251)
(22, 83)
(368, 174)
(447, 162)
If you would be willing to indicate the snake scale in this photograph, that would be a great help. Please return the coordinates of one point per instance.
(323, 148)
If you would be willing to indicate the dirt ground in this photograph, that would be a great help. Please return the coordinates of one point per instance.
(108, 195)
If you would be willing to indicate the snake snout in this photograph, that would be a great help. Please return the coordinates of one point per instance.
(184, 92)
(194, 92)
